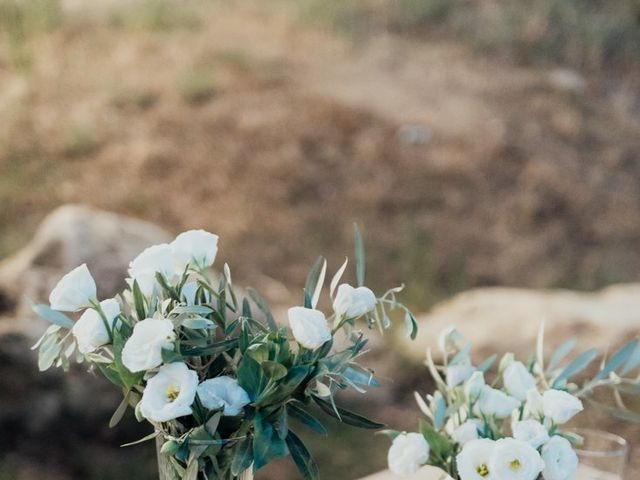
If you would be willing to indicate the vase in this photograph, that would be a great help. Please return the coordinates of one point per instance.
(602, 455)
(166, 471)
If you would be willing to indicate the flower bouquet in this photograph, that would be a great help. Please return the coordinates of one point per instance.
(510, 428)
(213, 372)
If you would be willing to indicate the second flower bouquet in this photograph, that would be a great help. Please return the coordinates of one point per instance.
(214, 374)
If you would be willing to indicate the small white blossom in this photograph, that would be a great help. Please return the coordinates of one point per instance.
(353, 302)
(518, 380)
(143, 350)
(474, 461)
(561, 462)
(309, 327)
(560, 406)
(515, 460)
(533, 406)
(408, 452)
(75, 291)
(223, 392)
(530, 431)
(496, 403)
(90, 331)
(196, 246)
(155, 259)
(170, 393)
(467, 431)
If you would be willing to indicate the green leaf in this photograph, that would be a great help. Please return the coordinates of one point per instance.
(198, 324)
(301, 457)
(411, 325)
(315, 281)
(632, 363)
(53, 316)
(192, 310)
(306, 418)
(274, 370)
(488, 363)
(264, 308)
(346, 416)
(120, 411)
(146, 438)
(243, 456)
(171, 356)
(360, 259)
(138, 301)
(251, 377)
(267, 445)
(561, 352)
(578, 364)
(210, 350)
(618, 359)
(336, 278)
(439, 446)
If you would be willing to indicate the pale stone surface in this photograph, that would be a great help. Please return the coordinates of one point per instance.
(69, 236)
(507, 319)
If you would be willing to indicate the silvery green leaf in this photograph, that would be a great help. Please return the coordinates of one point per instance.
(198, 323)
(262, 305)
(440, 410)
(53, 316)
(192, 310)
(422, 405)
(618, 359)
(578, 364)
(434, 371)
(561, 352)
(410, 325)
(146, 438)
(120, 411)
(359, 375)
(315, 281)
(540, 346)
(336, 278)
(488, 363)
(360, 258)
(301, 457)
(463, 356)
(632, 363)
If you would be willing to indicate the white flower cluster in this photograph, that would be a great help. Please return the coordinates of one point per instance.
(171, 388)
(508, 430)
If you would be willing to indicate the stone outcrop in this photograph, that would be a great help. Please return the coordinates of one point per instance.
(69, 236)
(507, 319)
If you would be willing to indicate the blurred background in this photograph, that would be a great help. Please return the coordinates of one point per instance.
(491, 143)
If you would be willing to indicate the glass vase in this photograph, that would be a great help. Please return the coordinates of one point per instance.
(602, 456)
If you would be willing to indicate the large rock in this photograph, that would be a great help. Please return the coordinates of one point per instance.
(68, 237)
(508, 319)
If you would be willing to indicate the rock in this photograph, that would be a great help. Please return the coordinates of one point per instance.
(69, 236)
(507, 319)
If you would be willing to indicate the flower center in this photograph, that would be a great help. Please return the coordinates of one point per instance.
(515, 464)
(172, 393)
(482, 470)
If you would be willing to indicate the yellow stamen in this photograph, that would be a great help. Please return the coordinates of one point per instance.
(515, 464)
(172, 393)
(482, 470)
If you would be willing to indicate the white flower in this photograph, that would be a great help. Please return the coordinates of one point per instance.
(530, 431)
(561, 462)
(474, 460)
(90, 331)
(467, 431)
(353, 302)
(408, 452)
(560, 406)
(533, 406)
(169, 394)
(515, 460)
(496, 403)
(195, 246)
(309, 326)
(474, 385)
(155, 259)
(456, 374)
(518, 380)
(143, 350)
(75, 291)
(223, 392)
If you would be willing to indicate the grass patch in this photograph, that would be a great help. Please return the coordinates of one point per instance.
(197, 86)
